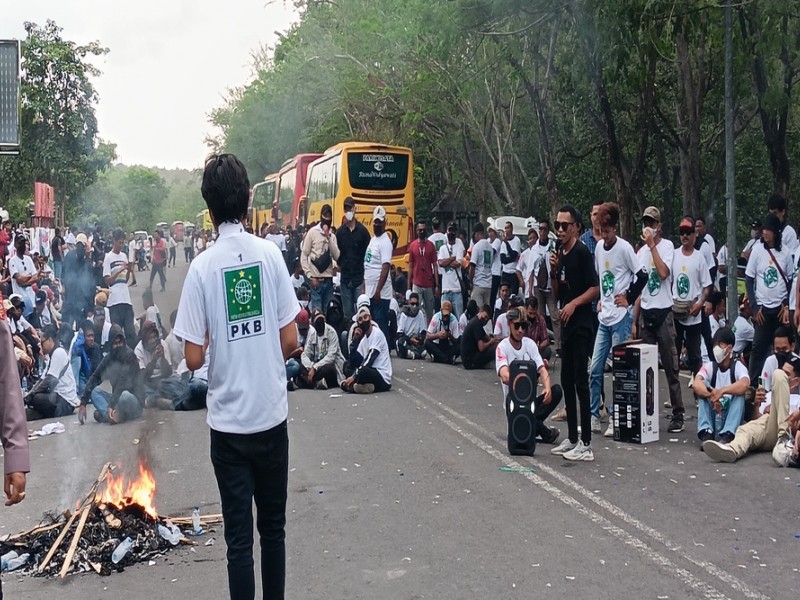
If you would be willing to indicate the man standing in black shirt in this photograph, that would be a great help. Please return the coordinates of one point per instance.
(477, 346)
(57, 252)
(576, 286)
(352, 238)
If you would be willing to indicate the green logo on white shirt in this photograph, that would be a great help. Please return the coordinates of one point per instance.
(243, 293)
(607, 282)
(653, 282)
(771, 277)
(683, 286)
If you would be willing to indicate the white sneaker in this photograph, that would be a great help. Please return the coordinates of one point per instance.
(782, 451)
(610, 431)
(596, 426)
(580, 452)
(564, 447)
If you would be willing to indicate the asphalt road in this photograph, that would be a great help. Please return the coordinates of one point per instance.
(404, 495)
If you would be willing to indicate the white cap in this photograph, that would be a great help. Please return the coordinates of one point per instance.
(362, 302)
(81, 239)
(379, 214)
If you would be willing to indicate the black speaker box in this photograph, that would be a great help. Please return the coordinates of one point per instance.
(520, 405)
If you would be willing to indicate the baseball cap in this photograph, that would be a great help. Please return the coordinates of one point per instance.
(302, 319)
(7, 304)
(362, 302)
(364, 310)
(653, 213)
(41, 297)
(14, 298)
(81, 239)
(326, 210)
(100, 298)
(379, 214)
(756, 224)
(349, 202)
(452, 225)
(687, 222)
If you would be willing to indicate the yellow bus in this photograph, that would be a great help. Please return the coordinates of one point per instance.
(262, 202)
(203, 221)
(373, 175)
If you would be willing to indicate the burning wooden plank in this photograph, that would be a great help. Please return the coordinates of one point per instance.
(74, 544)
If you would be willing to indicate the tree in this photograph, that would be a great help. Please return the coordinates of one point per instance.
(59, 142)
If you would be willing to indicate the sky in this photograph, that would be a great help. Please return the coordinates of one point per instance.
(169, 64)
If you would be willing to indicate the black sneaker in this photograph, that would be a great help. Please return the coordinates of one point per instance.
(726, 437)
(675, 425)
(705, 435)
(551, 436)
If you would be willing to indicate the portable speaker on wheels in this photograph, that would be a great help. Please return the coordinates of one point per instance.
(520, 402)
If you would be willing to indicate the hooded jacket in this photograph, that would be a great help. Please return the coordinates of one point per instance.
(121, 368)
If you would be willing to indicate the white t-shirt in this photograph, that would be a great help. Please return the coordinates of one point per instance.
(722, 261)
(24, 266)
(153, 315)
(65, 385)
(501, 329)
(542, 252)
(657, 293)
(450, 278)
(511, 267)
(525, 264)
(297, 282)
(482, 257)
(438, 239)
(19, 325)
(708, 255)
(239, 292)
(689, 277)
(749, 245)
(616, 268)
(497, 266)
(118, 292)
(711, 243)
(789, 241)
(383, 363)
(769, 284)
(379, 253)
(714, 325)
(436, 325)
(793, 280)
(411, 326)
(278, 239)
(506, 354)
(794, 403)
(744, 332)
(723, 377)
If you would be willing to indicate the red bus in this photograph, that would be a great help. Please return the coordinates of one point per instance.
(287, 211)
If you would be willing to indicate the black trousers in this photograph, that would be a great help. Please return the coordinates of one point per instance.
(248, 467)
(50, 405)
(371, 375)
(160, 270)
(690, 336)
(495, 289)
(541, 410)
(442, 351)
(480, 359)
(327, 372)
(762, 341)
(122, 315)
(576, 348)
(405, 346)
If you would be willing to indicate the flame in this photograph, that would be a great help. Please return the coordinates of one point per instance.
(122, 492)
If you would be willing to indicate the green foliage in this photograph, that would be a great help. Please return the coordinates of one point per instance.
(516, 105)
(59, 142)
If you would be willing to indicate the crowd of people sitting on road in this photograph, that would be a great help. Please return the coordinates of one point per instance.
(570, 294)
(73, 327)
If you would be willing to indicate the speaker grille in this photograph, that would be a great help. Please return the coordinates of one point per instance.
(521, 429)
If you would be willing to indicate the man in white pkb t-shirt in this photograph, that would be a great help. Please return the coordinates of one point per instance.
(238, 301)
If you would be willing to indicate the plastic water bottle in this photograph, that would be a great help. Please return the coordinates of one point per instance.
(719, 417)
(121, 550)
(172, 535)
(24, 385)
(197, 528)
(17, 562)
(6, 558)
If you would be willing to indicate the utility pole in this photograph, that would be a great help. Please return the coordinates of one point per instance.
(730, 191)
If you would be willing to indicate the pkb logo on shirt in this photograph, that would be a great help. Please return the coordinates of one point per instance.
(243, 302)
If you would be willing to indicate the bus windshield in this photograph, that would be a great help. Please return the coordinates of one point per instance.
(377, 171)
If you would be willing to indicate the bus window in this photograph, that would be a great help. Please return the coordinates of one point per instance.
(377, 172)
(286, 192)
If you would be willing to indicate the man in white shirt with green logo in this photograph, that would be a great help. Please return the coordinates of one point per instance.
(238, 301)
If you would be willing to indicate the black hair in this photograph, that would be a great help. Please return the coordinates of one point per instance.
(472, 308)
(776, 202)
(716, 298)
(414, 295)
(724, 335)
(697, 219)
(225, 188)
(515, 301)
(532, 302)
(573, 212)
(118, 234)
(478, 227)
(87, 326)
(597, 202)
(486, 308)
(783, 331)
(773, 224)
(545, 221)
(504, 284)
(51, 333)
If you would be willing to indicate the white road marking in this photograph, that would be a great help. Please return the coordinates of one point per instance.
(616, 511)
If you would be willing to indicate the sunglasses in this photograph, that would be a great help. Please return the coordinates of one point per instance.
(413, 303)
(523, 325)
(686, 231)
(563, 225)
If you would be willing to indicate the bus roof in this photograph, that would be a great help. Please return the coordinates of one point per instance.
(308, 157)
(374, 146)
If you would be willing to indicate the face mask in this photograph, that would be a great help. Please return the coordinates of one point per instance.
(364, 327)
(646, 229)
(304, 303)
(378, 230)
(720, 354)
(413, 311)
(451, 237)
(349, 215)
(324, 222)
(422, 235)
(484, 321)
(782, 358)
(319, 327)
